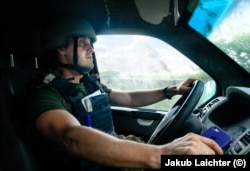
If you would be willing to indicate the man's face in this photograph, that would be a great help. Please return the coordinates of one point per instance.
(84, 51)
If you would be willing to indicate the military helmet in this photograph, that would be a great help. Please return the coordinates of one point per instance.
(55, 33)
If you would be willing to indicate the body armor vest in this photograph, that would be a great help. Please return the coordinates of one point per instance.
(94, 108)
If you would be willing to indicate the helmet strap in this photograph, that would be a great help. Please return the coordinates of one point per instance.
(81, 70)
(75, 56)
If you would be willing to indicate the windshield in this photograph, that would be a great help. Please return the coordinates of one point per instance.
(226, 24)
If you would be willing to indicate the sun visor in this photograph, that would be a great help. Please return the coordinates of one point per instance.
(160, 10)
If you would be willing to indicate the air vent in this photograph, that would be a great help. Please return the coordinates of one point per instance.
(241, 145)
(245, 140)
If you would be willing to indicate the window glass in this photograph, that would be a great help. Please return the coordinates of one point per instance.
(225, 24)
(134, 62)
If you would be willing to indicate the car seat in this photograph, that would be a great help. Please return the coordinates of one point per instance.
(15, 152)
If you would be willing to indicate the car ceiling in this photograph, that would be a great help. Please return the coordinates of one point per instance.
(20, 22)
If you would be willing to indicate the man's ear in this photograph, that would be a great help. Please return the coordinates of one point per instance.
(61, 51)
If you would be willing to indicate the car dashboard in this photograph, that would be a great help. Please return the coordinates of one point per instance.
(231, 113)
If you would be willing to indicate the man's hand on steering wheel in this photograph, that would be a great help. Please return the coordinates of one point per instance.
(171, 123)
(182, 88)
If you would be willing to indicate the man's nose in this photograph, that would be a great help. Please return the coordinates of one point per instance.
(91, 49)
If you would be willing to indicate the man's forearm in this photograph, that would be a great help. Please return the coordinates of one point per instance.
(110, 150)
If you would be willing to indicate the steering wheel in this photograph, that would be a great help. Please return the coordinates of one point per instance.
(177, 115)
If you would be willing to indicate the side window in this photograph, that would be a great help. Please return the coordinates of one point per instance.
(134, 62)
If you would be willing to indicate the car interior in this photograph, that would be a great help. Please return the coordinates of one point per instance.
(226, 113)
